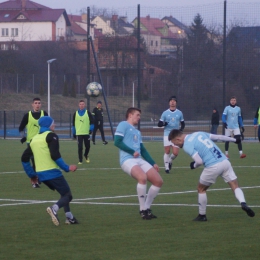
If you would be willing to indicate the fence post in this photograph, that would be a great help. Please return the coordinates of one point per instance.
(4, 124)
(70, 126)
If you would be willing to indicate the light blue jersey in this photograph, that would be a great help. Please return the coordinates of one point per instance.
(232, 115)
(200, 142)
(132, 138)
(173, 119)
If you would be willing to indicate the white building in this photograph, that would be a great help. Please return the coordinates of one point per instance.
(25, 20)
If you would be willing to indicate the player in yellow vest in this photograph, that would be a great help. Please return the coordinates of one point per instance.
(45, 148)
(257, 122)
(30, 123)
(82, 127)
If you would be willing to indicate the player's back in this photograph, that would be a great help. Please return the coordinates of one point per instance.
(208, 151)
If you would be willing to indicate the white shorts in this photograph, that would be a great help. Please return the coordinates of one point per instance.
(130, 163)
(223, 169)
(166, 142)
(232, 132)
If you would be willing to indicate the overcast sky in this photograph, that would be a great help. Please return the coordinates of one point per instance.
(73, 6)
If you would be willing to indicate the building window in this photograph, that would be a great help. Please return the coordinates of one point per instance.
(156, 43)
(151, 43)
(14, 32)
(5, 32)
(4, 47)
(14, 47)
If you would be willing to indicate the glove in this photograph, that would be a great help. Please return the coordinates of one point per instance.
(238, 140)
(74, 136)
(225, 125)
(192, 165)
(23, 140)
(90, 132)
(165, 123)
(242, 130)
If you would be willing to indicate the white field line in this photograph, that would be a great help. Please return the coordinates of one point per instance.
(105, 169)
(86, 200)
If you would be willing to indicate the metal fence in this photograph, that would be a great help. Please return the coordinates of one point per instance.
(203, 67)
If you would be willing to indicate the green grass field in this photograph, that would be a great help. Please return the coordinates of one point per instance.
(105, 203)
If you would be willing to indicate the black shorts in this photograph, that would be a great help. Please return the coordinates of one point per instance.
(59, 184)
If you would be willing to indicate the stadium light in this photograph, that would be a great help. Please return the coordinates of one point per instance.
(49, 79)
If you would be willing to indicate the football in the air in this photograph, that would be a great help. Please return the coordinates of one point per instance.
(94, 89)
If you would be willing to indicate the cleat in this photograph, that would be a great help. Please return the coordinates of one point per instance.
(94, 143)
(167, 171)
(79, 162)
(104, 143)
(242, 156)
(87, 160)
(53, 215)
(200, 218)
(248, 211)
(144, 215)
(70, 221)
(227, 155)
(170, 166)
(151, 214)
(35, 185)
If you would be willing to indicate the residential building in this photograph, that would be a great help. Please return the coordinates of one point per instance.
(157, 36)
(25, 20)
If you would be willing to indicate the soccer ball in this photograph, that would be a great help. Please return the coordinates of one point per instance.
(94, 89)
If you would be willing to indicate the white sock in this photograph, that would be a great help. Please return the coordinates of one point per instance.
(172, 157)
(141, 192)
(226, 152)
(55, 207)
(202, 200)
(69, 215)
(240, 152)
(166, 159)
(239, 195)
(152, 193)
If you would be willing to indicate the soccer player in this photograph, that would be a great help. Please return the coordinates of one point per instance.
(98, 116)
(233, 121)
(30, 123)
(48, 161)
(172, 118)
(82, 126)
(200, 147)
(257, 122)
(129, 140)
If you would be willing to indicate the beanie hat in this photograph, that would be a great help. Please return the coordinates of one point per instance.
(45, 121)
(173, 98)
(99, 102)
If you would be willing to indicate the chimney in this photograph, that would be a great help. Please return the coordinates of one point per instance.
(114, 17)
(148, 17)
(23, 5)
(84, 18)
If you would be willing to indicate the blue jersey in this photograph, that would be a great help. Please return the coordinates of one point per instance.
(132, 138)
(232, 116)
(200, 142)
(173, 119)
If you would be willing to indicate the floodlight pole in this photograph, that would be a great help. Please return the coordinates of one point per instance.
(49, 81)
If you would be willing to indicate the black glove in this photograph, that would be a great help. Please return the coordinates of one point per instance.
(238, 140)
(225, 125)
(23, 140)
(74, 136)
(90, 132)
(242, 130)
(165, 123)
(192, 165)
